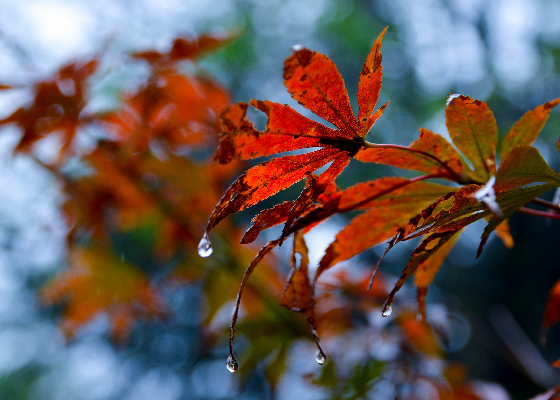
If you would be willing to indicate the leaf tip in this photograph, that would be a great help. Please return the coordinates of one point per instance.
(452, 97)
(297, 47)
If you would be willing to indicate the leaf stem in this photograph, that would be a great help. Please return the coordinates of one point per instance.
(452, 174)
(544, 214)
(264, 251)
(546, 204)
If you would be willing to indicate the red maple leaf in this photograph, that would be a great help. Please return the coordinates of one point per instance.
(57, 106)
(313, 80)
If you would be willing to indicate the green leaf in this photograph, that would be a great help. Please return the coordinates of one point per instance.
(472, 127)
(526, 130)
(524, 165)
(464, 204)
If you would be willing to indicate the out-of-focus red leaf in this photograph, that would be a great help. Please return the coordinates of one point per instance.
(57, 104)
(552, 308)
(420, 336)
(525, 131)
(183, 49)
(175, 109)
(472, 127)
(90, 200)
(99, 282)
(503, 232)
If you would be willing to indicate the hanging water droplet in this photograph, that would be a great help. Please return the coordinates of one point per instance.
(122, 257)
(233, 196)
(204, 247)
(387, 309)
(320, 358)
(231, 364)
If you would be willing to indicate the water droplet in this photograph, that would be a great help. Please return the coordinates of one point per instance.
(233, 196)
(297, 47)
(231, 364)
(387, 309)
(122, 257)
(204, 247)
(320, 358)
(451, 98)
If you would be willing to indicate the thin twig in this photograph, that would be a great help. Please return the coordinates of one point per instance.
(538, 213)
(546, 204)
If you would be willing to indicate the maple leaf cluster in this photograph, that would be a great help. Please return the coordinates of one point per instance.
(392, 208)
(145, 173)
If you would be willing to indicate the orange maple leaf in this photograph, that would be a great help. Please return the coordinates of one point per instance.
(313, 80)
(56, 107)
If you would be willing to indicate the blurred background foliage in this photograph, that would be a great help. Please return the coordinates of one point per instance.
(169, 340)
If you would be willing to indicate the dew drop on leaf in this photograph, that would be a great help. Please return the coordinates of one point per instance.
(297, 47)
(233, 196)
(387, 309)
(204, 247)
(231, 364)
(320, 358)
(451, 98)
